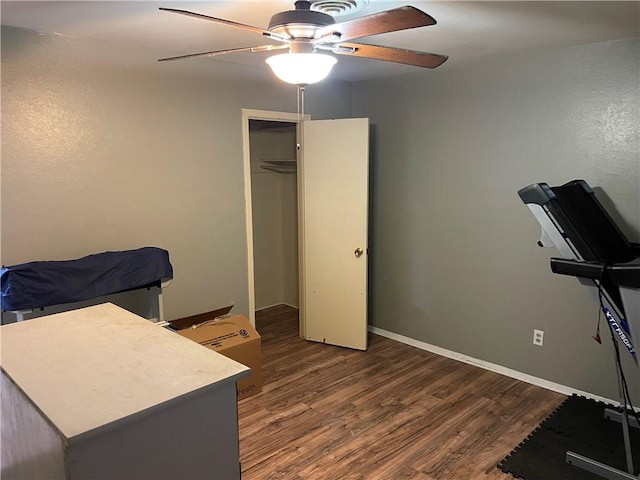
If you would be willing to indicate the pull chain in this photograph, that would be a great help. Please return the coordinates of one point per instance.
(300, 112)
(300, 102)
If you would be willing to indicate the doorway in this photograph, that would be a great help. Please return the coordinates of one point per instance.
(332, 211)
(271, 185)
(274, 203)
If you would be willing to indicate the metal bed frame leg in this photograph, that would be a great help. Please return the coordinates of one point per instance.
(155, 300)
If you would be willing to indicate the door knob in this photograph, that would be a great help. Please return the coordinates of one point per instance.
(358, 252)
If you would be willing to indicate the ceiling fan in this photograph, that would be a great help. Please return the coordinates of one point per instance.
(305, 33)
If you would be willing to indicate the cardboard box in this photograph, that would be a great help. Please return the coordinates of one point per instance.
(187, 322)
(235, 338)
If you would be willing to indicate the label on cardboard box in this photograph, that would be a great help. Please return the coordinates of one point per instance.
(235, 338)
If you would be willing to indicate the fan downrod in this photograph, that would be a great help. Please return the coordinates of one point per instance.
(299, 23)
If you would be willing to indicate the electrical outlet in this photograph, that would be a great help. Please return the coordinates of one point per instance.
(538, 337)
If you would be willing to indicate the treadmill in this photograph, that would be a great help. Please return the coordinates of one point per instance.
(594, 250)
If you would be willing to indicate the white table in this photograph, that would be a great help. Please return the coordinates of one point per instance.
(102, 393)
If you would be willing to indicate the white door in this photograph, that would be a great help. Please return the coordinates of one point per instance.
(333, 204)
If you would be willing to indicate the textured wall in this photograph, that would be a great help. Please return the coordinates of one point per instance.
(96, 158)
(453, 249)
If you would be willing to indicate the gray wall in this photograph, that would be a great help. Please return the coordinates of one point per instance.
(454, 258)
(98, 158)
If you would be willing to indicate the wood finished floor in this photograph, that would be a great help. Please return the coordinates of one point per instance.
(392, 412)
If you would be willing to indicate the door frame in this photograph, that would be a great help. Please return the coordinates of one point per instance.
(250, 114)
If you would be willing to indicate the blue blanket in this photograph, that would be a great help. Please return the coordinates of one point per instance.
(42, 284)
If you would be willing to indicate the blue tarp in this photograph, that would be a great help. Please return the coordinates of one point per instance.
(42, 284)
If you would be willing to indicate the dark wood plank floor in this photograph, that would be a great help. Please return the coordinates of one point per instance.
(392, 412)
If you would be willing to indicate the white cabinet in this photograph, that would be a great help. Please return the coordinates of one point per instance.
(102, 393)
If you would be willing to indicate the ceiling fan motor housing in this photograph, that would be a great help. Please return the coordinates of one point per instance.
(299, 23)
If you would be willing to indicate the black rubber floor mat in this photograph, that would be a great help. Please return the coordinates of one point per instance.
(577, 425)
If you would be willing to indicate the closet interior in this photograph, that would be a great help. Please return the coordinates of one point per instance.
(274, 202)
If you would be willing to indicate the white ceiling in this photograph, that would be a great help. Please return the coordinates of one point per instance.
(466, 31)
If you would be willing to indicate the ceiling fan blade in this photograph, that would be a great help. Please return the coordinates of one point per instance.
(390, 54)
(259, 48)
(401, 18)
(230, 23)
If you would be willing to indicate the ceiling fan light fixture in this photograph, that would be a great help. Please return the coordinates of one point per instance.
(301, 68)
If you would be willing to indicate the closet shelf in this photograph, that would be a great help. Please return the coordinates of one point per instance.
(279, 166)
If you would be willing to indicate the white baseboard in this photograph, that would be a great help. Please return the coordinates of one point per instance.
(276, 305)
(492, 367)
